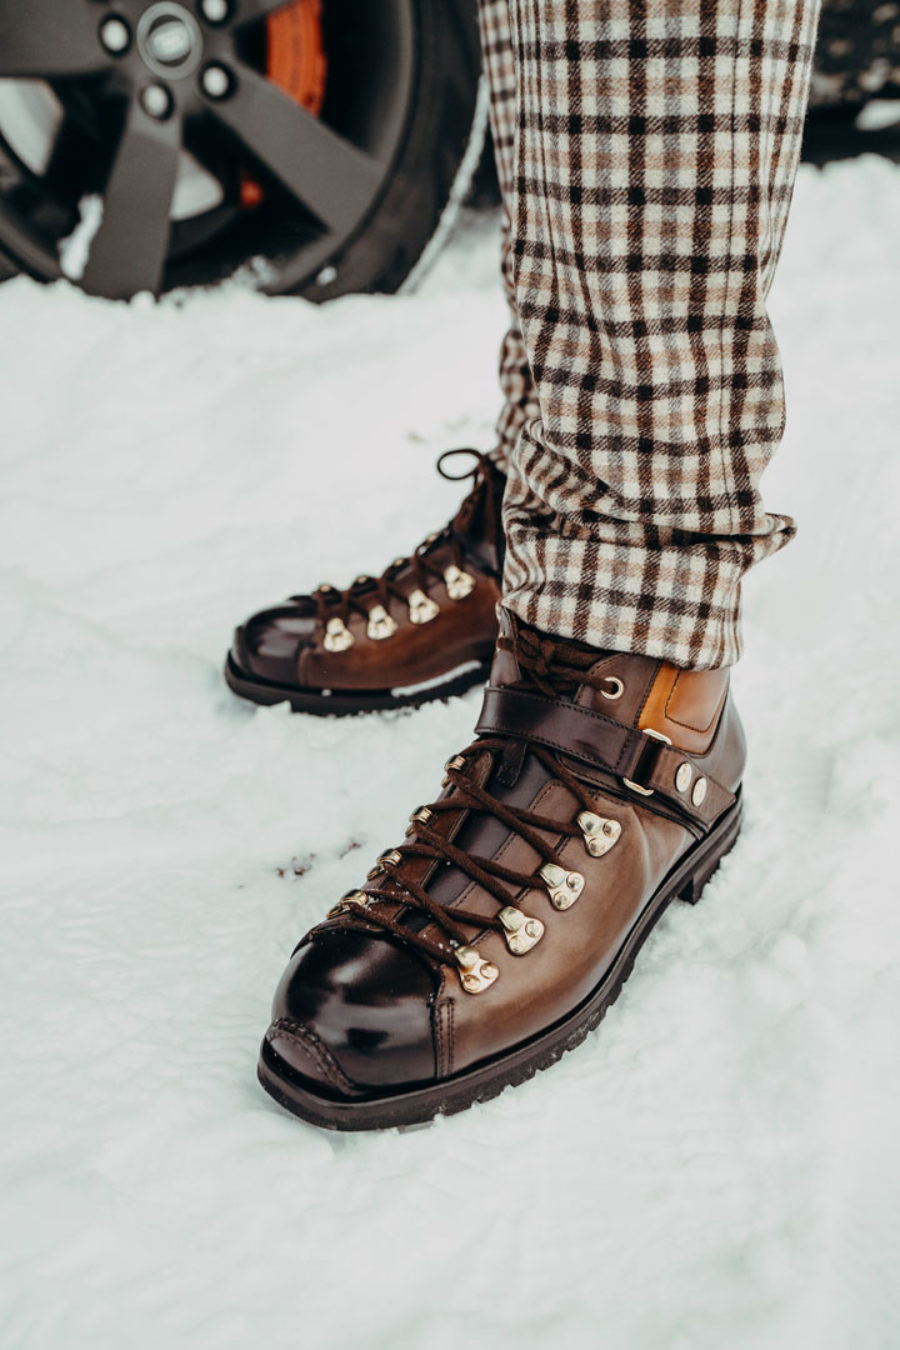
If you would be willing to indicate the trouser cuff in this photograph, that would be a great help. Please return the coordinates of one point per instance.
(621, 587)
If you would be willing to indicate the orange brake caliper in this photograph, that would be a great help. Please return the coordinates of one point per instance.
(296, 63)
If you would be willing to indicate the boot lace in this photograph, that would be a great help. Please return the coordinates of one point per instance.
(554, 668)
(334, 603)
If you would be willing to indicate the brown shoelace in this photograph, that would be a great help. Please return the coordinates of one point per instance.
(555, 668)
(333, 603)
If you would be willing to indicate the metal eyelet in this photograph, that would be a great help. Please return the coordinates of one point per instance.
(337, 636)
(459, 584)
(600, 833)
(475, 974)
(421, 816)
(352, 900)
(422, 609)
(389, 859)
(563, 887)
(380, 625)
(618, 688)
(521, 931)
(456, 763)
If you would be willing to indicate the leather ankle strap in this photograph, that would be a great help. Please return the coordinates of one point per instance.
(646, 762)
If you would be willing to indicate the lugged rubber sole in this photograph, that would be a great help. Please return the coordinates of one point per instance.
(484, 1081)
(345, 705)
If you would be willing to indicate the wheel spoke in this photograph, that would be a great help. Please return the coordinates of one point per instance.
(129, 250)
(325, 172)
(46, 38)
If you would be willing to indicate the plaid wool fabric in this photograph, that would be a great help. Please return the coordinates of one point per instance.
(647, 152)
(520, 401)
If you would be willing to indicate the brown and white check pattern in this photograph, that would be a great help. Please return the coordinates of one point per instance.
(647, 152)
(520, 401)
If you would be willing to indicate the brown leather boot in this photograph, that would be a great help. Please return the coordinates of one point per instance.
(424, 629)
(600, 787)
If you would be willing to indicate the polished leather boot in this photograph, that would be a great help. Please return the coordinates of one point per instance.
(600, 787)
(424, 629)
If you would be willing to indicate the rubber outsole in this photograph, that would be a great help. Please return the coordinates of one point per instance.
(345, 705)
(486, 1080)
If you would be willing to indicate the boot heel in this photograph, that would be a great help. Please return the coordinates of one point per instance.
(708, 866)
(694, 888)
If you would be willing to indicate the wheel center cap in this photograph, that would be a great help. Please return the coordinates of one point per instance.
(169, 40)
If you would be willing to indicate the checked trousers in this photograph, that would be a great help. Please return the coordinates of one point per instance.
(647, 151)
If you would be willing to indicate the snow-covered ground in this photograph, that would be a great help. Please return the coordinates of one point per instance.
(716, 1169)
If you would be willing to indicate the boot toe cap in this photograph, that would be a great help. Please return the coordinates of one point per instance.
(352, 1015)
(269, 644)
(294, 1051)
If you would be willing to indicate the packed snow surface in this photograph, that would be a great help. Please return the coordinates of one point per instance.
(716, 1168)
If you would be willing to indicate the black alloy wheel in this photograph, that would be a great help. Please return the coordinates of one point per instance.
(308, 145)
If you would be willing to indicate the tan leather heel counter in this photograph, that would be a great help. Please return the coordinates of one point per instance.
(686, 705)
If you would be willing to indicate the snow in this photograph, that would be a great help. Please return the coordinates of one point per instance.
(715, 1169)
(76, 249)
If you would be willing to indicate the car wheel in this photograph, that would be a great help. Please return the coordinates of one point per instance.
(307, 146)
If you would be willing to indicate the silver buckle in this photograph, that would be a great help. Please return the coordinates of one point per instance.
(636, 787)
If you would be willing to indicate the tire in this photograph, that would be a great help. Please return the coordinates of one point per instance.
(857, 54)
(434, 173)
(399, 88)
(855, 74)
